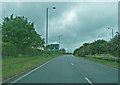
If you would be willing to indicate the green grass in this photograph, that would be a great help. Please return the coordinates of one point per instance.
(110, 63)
(13, 69)
(10, 60)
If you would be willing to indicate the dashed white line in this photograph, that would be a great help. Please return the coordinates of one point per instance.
(88, 81)
(72, 64)
(29, 73)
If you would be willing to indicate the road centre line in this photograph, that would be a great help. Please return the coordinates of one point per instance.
(72, 64)
(89, 81)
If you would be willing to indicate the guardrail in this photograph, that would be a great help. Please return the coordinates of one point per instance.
(105, 58)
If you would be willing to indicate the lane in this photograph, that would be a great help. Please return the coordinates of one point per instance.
(58, 70)
(96, 72)
(70, 69)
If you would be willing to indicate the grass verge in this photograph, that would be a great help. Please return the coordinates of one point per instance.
(11, 60)
(13, 69)
(106, 62)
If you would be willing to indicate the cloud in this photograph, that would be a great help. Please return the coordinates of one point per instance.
(79, 22)
(85, 22)
(58, 24)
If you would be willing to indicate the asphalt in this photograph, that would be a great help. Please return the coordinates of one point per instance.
(70, 69)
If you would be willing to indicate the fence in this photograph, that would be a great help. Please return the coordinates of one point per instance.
(105, 58)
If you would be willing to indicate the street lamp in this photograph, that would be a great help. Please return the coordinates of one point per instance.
(47, 11)
(117, 33)
(112, 31)
(59, 39)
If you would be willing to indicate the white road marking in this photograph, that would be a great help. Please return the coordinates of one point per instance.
(29, 73)
(88, 81)
(72, 64)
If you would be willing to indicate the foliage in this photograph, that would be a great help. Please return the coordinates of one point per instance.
(19, 35)
(62, 50)
(8, 49)
(20, 32)
(99, 47)
(115, 45)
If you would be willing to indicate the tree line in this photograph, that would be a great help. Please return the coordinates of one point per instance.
(20, 38)
(100, 47)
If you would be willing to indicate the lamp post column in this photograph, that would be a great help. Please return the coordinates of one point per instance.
(46, 32)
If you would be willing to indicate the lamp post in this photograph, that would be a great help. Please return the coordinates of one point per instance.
(47, 22)
(59, 39)
(46, 27)
(112, 31)
(111, 42)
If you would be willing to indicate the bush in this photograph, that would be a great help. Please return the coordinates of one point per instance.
(99, 47)
(8, 49)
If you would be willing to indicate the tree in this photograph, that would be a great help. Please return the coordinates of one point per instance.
(38, 41)
(99, 47)
(8, 49)
(96, 47)
(18, 31)
(62, 50)
(115, 45)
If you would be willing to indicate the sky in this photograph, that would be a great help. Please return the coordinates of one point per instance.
(78, 22)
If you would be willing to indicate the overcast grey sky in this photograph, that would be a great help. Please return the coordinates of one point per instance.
(79, 22)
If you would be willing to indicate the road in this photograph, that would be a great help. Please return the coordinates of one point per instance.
(70, 69)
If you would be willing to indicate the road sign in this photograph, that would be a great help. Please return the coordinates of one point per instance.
(54, 47)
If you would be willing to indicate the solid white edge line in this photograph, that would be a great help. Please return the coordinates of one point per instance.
(28, 73)
(88, 80)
